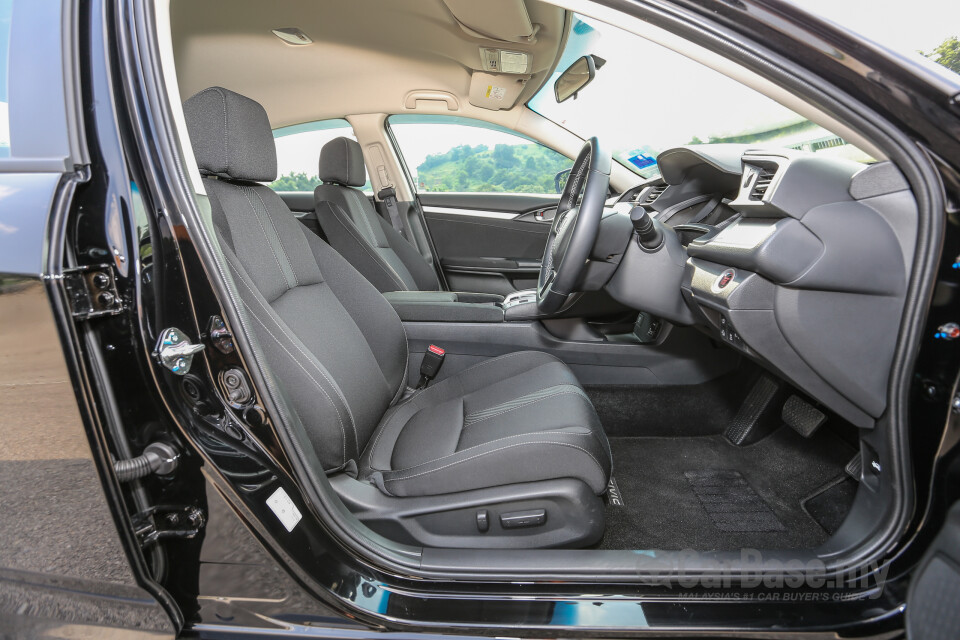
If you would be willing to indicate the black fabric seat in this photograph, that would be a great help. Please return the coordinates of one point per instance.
(517, 418)
(365, 238)
(339, 351)
(357, 232)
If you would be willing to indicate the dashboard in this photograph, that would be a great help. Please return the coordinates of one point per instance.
(797, 260)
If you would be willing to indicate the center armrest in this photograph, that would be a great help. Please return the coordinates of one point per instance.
(423, 297)
(445, 306)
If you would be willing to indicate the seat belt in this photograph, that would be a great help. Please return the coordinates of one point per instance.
(430, 365)
(388, 195)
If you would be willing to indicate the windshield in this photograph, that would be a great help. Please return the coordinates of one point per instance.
(646, 98)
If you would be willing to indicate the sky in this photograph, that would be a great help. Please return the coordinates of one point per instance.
(646, 96)
(904, 26)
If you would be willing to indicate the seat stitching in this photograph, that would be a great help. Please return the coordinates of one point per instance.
(477, 366)
(385, 424)
(384, 427)
(406, 347)
(478, 446)
(525, 404)
(509, 446)
(282, 246)
(319, 369)
(315, 366)
(511, 403)
(243, 190)
(349, 225)
(343, 433)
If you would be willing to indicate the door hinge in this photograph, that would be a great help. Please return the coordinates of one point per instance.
(163, 522)
(92, 291)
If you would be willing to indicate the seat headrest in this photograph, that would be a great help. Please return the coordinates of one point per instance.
(231, 136)
(341, 161)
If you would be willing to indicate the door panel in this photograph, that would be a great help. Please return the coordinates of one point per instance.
(487, 194)
(489, 242)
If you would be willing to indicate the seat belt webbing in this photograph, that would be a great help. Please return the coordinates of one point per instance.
(388, 195)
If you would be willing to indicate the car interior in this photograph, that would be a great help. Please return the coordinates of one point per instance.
(504, 321)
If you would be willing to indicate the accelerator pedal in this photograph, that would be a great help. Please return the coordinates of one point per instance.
(757, 415)
(803, 417)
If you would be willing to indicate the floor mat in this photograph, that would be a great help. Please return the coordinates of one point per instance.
(662, 508)
(679, 410)
(731, 502)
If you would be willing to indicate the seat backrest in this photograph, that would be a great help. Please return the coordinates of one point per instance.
(354, 228)
(332, 342)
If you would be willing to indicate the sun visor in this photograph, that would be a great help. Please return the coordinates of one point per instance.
(495, 91)
(504, 20)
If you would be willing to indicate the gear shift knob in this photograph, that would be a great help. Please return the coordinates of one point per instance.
(649, 236)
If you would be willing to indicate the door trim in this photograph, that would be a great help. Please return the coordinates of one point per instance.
(477, 213)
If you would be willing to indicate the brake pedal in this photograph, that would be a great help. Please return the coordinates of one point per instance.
(803, 417)
(753, 419)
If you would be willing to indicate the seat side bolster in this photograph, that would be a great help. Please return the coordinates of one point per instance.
(347, 239)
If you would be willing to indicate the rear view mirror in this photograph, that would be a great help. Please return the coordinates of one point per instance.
(576, 77)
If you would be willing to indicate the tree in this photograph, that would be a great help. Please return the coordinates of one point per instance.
(946, 53)
(295, 182)
(503, 155)
(511, 168)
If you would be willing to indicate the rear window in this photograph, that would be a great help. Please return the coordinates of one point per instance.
(298, 153)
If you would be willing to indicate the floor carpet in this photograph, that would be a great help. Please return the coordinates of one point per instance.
(704, 493)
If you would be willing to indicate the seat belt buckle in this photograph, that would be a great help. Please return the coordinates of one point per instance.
(430, 365)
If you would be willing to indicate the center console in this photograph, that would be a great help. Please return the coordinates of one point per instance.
(520, 305)
(446, 306)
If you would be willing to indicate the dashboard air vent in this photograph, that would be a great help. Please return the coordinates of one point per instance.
(762, 183)
(653, 193)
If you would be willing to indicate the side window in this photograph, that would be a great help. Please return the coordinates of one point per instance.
(450, 153)
(298, 153)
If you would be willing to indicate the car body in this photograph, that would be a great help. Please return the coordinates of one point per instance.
(104, 250)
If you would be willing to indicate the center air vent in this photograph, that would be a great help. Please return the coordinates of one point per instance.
(762, 183)
(653, 193)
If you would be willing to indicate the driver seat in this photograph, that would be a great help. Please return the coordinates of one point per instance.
(507, 453)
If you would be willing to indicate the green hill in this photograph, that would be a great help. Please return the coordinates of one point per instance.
(522, 168)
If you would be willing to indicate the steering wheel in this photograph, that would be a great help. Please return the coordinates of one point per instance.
(575, 227)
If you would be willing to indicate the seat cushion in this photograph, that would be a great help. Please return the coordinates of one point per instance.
(521, 417)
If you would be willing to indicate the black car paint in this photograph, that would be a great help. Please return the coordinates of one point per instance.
(329, 592)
